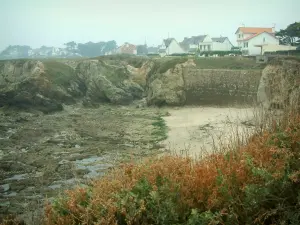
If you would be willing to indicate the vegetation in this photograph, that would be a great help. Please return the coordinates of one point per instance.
(258, 183)
(135, 61)
(91, 49)
(288, 52)
(58, 72)
(239, 63)
(222, 53)
(160, 132)
(161, 65)
(290, 35)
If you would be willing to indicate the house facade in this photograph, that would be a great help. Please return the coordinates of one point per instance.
(170, 46)
(252, 39)
(201, 42)
(204, 43)
(221, 44)
(126, 48)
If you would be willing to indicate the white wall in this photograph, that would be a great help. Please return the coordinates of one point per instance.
(174, 48)
(263, 38)
(206, 42)
(225, 46)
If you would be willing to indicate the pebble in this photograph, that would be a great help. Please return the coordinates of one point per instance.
(4, 188)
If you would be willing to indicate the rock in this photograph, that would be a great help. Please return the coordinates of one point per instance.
(4, 188)
(102, 82)
(141, 103)
(167, 88)
(279, 86)
(34, 84)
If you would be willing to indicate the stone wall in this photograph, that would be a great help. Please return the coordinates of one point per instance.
(220, 87)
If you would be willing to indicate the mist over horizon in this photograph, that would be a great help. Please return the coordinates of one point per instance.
(53, 23)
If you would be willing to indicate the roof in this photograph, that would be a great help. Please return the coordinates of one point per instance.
(168, 41)
(255, 35)
(127, 48)
(194, 40)
(219, 39)
(254, 30)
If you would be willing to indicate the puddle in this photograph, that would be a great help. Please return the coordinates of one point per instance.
(11, 194)
(4, 187)
(18, 177)
(94, 165)
(55, 186)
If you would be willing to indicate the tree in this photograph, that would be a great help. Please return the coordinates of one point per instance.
(290, 35)
(142, 50)
(91, 49)
(71, 45)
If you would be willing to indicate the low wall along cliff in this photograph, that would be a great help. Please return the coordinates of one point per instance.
(220, 87)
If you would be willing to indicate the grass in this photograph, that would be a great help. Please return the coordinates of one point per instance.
(257, 183)
(160, 129)
(58, 72)
(161, 65)
(234, 63)
(135, 61)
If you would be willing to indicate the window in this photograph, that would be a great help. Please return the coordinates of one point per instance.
(245, 44)
(264, 40)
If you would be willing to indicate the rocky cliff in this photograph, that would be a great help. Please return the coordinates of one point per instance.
(47, 85)
(280, 84)
(185, 83)
(26, 83)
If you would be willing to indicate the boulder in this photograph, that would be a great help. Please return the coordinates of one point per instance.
(279, 86)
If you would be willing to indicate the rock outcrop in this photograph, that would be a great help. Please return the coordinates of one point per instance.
(280, 84)
(168, 88)
(47, 85)
(185, 83)
(102, 82)
(31, 84)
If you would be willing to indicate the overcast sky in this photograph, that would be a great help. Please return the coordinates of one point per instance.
(54, 22)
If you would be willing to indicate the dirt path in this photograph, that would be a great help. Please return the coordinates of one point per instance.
(195, 131)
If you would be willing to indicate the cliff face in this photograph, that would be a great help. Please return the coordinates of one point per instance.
(187, 84)
(280, 84)
(47, 85)
(28, 83)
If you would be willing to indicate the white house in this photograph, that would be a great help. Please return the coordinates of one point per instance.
(170, 46)
(221, 44)
(201, 42)
(205, 43)
(252, 39)
(126, 48)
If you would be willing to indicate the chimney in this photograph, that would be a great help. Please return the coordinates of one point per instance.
(273, 28)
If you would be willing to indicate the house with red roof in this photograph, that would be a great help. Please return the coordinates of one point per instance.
(126, 48)
(251, 40)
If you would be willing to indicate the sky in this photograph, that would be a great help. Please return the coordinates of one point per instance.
(55, 22)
